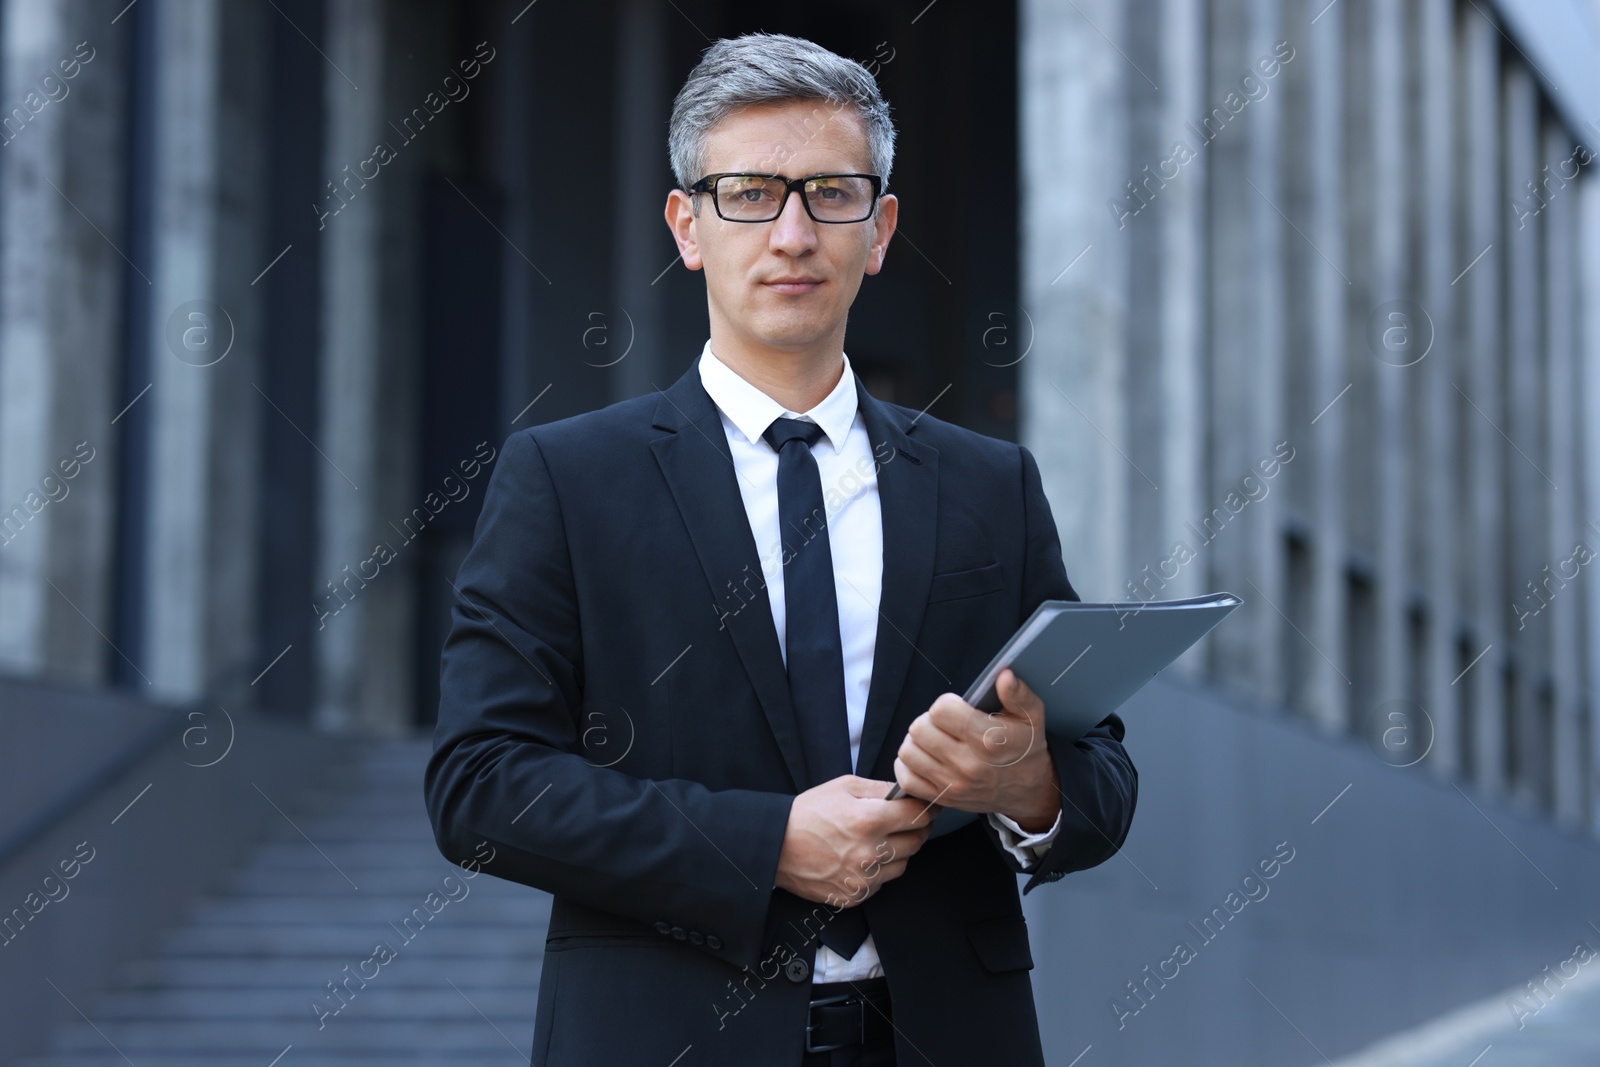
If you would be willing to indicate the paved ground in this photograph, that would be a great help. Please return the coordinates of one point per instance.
(1564, 1031)
(235, 987)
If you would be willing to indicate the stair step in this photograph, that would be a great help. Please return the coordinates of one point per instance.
(235, 984)
(396, 1037)
(290, 1003)
(311, 972)
(441, 936)
(350, 1058)
(365, 907)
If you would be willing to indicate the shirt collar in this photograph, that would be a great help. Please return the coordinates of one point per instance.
(751, 411)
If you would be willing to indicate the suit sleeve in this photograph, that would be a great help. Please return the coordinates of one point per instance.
(506, 768)
(1099, 785)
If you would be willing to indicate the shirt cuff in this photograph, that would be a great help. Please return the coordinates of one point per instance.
(1027, 848)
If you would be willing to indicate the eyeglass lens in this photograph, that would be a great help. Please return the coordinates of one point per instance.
(832, 198)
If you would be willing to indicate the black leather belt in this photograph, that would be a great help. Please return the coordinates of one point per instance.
(849, 1013)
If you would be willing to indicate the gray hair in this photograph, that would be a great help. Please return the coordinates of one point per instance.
(764, 68)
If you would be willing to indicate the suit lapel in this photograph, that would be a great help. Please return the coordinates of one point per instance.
(695, 461)
(908, 492)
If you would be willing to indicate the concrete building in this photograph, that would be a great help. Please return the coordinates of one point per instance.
(1301, 301)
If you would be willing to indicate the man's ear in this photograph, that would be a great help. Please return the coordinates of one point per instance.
(681, 221)
(882, 229)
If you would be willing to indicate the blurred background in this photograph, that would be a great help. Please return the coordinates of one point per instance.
(1296, 300)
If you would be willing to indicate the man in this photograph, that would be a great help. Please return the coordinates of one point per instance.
(686, 618)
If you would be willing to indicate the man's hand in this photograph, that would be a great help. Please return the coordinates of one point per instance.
(972, 760)
(844, 841)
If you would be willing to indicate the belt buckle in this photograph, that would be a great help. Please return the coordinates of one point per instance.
(838, 998)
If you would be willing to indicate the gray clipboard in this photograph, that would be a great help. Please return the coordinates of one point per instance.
(1085, 661)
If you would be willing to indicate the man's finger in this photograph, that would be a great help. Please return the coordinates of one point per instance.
(1016, 697)
(914, 785)
(915, 767)
(932, 751)
(858, 786)
(950, 715)
(920, 812)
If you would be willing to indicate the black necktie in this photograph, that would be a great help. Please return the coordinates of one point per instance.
(814, 653)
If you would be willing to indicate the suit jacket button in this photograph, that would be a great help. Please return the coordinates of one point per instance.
(663, 928)
(696, 937)
(713, 941)
(797, 969)
(679, 932)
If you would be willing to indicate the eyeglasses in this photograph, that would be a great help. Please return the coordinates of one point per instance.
(761, 197)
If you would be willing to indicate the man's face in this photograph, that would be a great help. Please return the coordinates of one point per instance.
(789, 283)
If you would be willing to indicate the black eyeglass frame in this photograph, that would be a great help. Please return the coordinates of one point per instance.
(708, 184)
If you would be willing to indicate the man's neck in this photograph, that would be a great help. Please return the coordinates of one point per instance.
(797, 380)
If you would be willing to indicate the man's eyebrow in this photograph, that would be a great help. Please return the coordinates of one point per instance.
(775, 174)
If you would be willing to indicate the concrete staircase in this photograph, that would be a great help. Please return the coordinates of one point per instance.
(237, 985)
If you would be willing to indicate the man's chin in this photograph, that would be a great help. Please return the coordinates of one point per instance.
(792, 341)
(796, 333)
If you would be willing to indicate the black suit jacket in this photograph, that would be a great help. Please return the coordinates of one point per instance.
(615, 725)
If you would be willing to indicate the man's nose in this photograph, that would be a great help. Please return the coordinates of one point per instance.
(794, 231)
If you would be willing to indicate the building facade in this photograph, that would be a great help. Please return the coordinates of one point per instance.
(1297, 301)
(1361, 235)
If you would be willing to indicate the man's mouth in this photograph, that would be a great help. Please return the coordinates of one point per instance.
(792, 286)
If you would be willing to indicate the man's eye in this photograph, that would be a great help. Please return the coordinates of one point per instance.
(748, 191)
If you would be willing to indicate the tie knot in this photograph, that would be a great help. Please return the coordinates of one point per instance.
(782, 431)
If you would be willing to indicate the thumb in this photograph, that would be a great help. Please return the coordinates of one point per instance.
(863, 788)
(1018, 699)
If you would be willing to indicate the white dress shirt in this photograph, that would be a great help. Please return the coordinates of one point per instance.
(855, 539)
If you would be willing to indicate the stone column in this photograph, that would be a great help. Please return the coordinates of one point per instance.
(1144, 234)
(1438, 537)
(365, 592)
(1478, 290)
(1588, 248)
(1390, 458)
(1182, 222)
(207, 208)
(1527, 476)
(514, 160)
(1560, 576)
(1361, 403)
(640, 241)
(1074, 278)
(1246, 549)
(63, 160)
(1326, 687)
